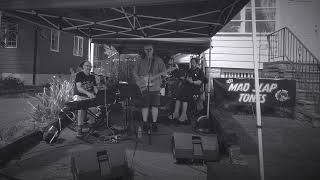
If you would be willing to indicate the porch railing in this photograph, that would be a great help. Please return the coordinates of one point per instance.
(284, 45)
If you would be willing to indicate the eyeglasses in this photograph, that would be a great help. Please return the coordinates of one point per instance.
(148, 49)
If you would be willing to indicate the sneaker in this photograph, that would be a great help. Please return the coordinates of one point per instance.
(79, 131)
(173, 116)
(154, 127)
(145, 127)
(183, 118)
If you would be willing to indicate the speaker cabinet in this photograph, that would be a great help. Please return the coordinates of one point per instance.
(100, 163)
(188, 146)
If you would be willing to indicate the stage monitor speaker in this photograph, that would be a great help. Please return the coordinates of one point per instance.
(188, 146)
(100, 163)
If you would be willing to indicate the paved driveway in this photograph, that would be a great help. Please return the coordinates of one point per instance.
(291, 148)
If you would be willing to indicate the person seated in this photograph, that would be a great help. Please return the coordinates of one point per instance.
(191, 86)
(85, 87)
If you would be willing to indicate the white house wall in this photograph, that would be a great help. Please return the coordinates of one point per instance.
(235, 51)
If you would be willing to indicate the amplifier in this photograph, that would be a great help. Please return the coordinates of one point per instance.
(107, 162)
(188, 146)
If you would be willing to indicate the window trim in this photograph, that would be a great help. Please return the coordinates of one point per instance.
(58, 45)
(243, 20)
(76, 47)
(6, 39)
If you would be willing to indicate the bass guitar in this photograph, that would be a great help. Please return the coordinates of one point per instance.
(147, 81)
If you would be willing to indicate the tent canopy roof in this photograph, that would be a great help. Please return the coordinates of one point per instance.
(118, 19)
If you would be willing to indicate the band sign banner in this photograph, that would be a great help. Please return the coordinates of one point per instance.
(275, 92)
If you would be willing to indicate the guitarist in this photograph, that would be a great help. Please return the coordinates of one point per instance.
(191, 85)
(148, 66)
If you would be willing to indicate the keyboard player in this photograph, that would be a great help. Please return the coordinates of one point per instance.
(85, 87)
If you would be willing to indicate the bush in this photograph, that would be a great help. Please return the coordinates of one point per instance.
(11, 82)
(50, 102)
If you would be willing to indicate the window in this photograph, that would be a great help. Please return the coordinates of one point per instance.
(10, 33)
(78, 46)
(265, 18)
(96, 53)
(54, 42)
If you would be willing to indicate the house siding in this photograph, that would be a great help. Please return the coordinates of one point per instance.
(236, 51)
(19, 61)
(51, 62)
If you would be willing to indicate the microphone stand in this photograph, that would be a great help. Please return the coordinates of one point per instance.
(106, 111)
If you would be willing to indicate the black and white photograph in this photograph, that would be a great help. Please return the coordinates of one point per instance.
(159, 89)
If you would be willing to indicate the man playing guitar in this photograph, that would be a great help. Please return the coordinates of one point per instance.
(143, 73)
(85, 87)
(191, 85)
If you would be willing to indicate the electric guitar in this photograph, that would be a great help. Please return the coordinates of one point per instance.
(146, 81)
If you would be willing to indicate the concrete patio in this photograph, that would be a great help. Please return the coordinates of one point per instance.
(291, 151)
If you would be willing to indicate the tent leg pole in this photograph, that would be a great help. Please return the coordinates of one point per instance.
(257, 89)
(90, 56)
(209, 81)
(119, 53)
(0, 19)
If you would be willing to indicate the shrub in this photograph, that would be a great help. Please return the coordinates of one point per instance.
(49, 103)
(11, 82)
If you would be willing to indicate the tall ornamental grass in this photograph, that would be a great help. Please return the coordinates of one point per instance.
(48, 104)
